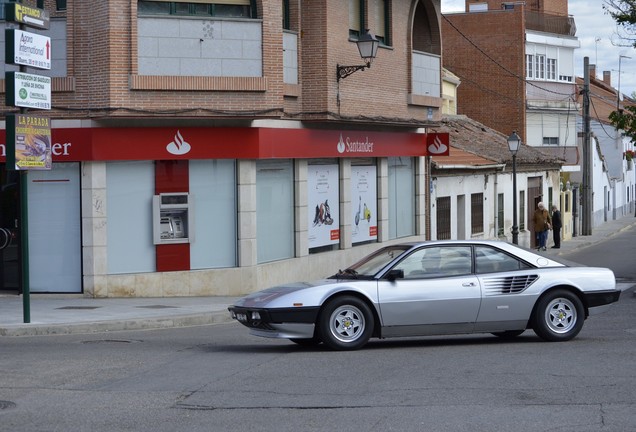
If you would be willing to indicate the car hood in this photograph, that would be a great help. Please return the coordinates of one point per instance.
(290, 295)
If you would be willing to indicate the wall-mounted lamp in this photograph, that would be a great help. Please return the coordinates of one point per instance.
(368, 47)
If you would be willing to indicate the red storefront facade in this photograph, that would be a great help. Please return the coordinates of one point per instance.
(171, 151)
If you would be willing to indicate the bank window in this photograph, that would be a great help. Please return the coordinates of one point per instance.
(274, 210)
(130, 186)
(218, 8)
(213, 182)
(401, 197)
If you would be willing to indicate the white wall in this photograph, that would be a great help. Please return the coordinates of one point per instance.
(490, 185)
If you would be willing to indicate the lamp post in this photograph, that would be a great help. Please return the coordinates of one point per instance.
(513, 144)
(368, 48)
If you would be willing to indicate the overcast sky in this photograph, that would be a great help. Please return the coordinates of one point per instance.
(595, 31)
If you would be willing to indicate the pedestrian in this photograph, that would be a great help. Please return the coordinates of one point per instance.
(556, 227)
(542, 224)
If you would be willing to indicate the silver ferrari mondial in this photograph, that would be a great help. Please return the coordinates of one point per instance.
(433, 288)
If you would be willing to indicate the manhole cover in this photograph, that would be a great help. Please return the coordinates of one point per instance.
(157, 307)
(79, 307)
(6, 404)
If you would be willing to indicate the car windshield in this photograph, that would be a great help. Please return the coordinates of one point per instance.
(369, 266)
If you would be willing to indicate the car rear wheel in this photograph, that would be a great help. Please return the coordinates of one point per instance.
(345, 323)
(559, 316)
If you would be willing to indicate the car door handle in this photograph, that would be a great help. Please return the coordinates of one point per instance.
(468, 284)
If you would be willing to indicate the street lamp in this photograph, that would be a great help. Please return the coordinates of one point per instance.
(368, 48)
(513, 144)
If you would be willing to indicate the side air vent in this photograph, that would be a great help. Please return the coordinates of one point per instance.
(507, 284)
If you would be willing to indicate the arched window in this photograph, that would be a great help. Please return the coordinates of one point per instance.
(426, 31)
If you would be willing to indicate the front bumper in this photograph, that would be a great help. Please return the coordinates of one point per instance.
(286, 323)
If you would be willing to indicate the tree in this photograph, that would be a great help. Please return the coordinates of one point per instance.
(625, 120)
(624, 13)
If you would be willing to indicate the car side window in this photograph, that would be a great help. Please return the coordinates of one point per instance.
(436, 261)
(491, 260)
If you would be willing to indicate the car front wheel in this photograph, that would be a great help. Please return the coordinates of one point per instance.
(345, 323)
(559, 316)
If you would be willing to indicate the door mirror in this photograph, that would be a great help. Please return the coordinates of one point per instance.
(394, 274)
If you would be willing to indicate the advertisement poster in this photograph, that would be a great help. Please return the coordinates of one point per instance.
(364, 200)
(323, 205)
(28, 142)
(28, 90)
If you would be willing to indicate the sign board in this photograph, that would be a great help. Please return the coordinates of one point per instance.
(28, 90)
(438, 144)
(27, 49)
(29, 16)
(28, 142)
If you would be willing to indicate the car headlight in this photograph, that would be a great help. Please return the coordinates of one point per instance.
(256, 316)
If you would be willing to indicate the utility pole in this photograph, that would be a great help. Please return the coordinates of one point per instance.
(587, 201)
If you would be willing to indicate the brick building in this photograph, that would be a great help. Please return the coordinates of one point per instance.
(209, 147)
(516, 63)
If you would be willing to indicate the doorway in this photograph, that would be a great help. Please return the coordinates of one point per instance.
(54, 230)
(10, 262)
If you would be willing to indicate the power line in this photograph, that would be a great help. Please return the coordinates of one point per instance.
(511, 73)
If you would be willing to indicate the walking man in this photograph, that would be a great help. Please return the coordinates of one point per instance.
(541, 220)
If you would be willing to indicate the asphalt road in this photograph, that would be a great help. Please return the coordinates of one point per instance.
(618, 252)
(218, 378)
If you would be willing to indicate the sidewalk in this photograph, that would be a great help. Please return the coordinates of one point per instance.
(67, 314)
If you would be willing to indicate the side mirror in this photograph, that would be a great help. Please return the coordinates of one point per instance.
(394, 274)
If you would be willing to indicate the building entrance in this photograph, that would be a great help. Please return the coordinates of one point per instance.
(10, 262)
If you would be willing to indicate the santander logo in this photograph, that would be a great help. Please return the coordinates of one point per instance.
(179, 146)
(437, 146)
(341, 145)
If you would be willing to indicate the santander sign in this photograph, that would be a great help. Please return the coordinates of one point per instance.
(349, 145)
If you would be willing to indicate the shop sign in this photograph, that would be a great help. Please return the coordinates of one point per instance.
(28, 90)
(28, 142)
(189, 143)
(29, 16)
(438, 144)
(27, 49)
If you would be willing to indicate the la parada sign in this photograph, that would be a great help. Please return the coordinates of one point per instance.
(169, 143)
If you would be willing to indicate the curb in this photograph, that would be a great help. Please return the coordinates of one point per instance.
(89, 327)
